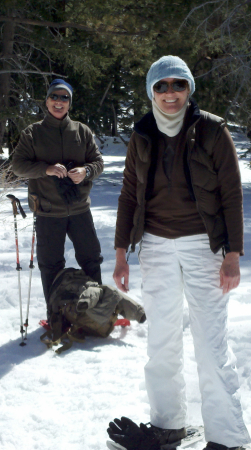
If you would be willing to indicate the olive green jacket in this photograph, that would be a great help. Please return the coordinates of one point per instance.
(53, 141)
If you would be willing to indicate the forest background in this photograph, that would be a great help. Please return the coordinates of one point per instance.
(104, 49)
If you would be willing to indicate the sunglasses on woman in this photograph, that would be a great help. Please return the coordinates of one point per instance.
(177, 86)
(63, 98)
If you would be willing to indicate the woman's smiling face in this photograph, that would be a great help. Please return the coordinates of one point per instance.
(171, 102)
(58, 108)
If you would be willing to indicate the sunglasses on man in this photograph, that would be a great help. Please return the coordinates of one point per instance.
(63, 98)
(163, 86)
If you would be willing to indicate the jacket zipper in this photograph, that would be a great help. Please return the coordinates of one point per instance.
(191, 176)
(62, 149)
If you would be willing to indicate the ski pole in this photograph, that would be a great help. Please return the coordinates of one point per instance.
(16, 202)
(31, 266)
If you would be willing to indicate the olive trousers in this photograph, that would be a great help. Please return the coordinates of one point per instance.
(51, 234)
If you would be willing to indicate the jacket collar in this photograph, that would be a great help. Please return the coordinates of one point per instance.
(193, 114)
(147, 126)
(51, 121)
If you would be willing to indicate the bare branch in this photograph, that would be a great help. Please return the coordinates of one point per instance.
(58, 25)
(8, 182)
(195, 9)
(32, 47)
(33, 71)
(222, 62)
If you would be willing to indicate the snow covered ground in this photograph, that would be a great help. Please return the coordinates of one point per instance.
(51, 402)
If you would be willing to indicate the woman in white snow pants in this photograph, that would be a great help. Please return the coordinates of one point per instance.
(170, 268)
(182, 200)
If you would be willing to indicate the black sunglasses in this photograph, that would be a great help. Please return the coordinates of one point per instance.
(163, 86)
(63, 98)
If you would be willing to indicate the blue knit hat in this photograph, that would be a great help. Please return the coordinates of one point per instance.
(168, 67)
(58, 83)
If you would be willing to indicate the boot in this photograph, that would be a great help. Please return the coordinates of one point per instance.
(170, 437)
(214, 446)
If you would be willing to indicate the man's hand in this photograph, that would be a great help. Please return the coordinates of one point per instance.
(121, 271)
(57, 170)
(230, 272)
(77, 174)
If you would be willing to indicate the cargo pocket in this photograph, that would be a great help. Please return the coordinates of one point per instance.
(33, 201)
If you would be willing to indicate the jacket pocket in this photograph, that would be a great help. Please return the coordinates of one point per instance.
(33, 202)
(45, 205)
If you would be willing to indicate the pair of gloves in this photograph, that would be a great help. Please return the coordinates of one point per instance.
(67, 189)
(131, 436)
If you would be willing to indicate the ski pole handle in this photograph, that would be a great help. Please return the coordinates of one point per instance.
(16, 202)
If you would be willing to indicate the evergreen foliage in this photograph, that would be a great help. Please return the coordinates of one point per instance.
(104, 49)
(221, 51)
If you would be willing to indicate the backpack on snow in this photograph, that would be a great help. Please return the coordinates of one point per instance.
(80, 307)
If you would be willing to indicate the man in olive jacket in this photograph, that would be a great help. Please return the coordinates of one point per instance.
(61, 158)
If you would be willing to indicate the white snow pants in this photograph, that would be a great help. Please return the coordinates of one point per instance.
(170, 267)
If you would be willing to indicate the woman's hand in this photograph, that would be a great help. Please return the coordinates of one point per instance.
(77, 174)
(230, 272)
(121, 271)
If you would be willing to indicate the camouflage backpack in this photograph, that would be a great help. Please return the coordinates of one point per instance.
(81, 307)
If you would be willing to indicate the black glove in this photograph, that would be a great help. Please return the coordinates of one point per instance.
(68, 190)
(127, 433)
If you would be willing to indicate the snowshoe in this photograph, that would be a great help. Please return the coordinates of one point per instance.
(122, 322)
(44, 323)
(194, 434)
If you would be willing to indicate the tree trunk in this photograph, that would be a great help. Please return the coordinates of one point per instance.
(115, 122)
(8, 41)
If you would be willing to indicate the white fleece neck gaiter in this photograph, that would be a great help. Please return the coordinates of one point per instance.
(169, 124)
